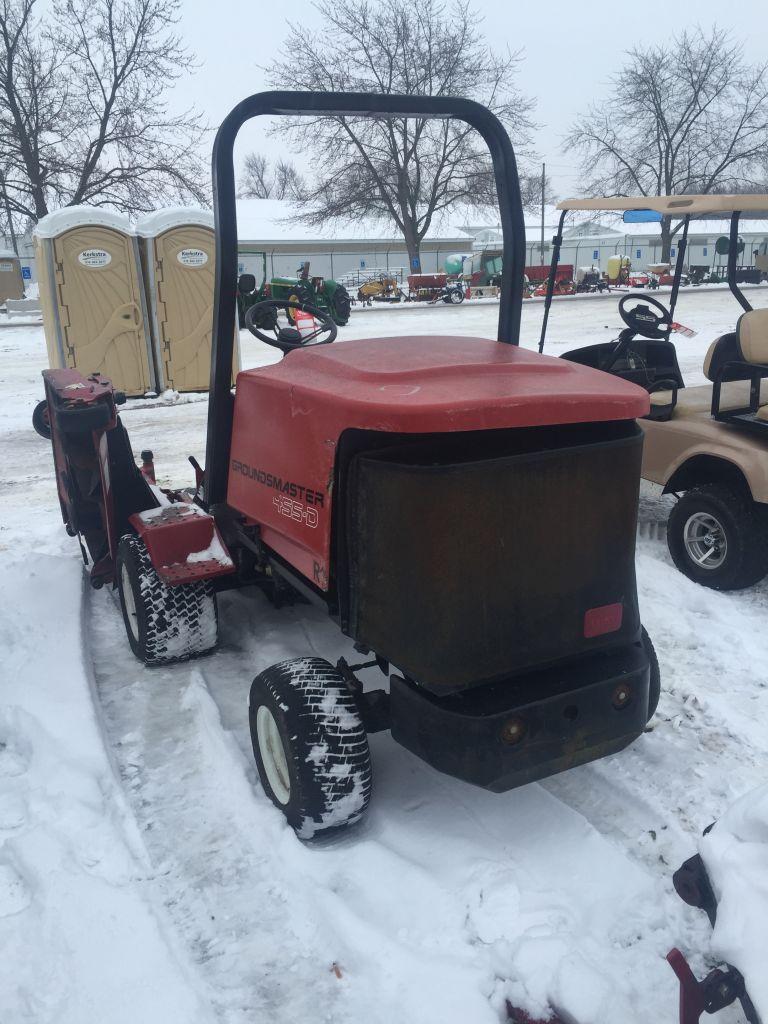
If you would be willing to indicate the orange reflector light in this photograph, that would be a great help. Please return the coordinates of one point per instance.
(605, 619)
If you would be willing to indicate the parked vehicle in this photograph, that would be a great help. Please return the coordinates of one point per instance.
(413, 489)
(320, 292)
(707, 445)
(382, 288)
(435, 287)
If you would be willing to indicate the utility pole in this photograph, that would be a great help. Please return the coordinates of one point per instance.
(543, 186)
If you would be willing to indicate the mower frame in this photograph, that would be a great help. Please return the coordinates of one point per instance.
(312, 104)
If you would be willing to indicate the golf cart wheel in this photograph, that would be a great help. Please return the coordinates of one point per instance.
(310, 746)
(41, 421)
(654, 684)
(341, 305)
(454, 295)
(719, 538)
(163, 624)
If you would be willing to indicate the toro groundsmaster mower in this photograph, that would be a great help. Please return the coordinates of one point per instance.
(464, 509)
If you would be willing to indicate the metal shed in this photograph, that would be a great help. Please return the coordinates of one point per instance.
(92, 297)
(11, 282)
(178, 253)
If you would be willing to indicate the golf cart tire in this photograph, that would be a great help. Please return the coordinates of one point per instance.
(654, 684)
(324, 743)
(168, 624)
(745, 526)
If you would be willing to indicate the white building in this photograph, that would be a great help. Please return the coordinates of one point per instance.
(351, 252)
(589, 242)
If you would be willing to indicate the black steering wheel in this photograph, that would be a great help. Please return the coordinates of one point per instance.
(639, 320)
(262, 317)
(642, 320)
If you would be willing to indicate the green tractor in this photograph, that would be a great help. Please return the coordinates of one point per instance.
(320, 292)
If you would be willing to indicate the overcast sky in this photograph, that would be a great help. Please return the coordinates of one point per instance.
(570, 49)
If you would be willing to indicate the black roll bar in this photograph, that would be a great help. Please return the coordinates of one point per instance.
(733, 256)
(220, 408)
(682, 245)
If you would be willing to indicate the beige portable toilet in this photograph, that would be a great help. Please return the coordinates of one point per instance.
(11, 281)
(92, 296)
(178, 250)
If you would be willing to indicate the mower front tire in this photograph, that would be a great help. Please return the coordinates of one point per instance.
(719, 537)
(310, 746)
(163, 624)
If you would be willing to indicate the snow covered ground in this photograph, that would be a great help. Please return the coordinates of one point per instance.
(145, 877)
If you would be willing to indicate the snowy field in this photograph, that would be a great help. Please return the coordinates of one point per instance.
(145, 878)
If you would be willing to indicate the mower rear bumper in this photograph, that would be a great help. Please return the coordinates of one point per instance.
(508, 734)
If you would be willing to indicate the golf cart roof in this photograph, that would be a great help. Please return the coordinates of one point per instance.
(675, 205)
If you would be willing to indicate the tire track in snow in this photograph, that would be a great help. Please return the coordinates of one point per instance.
(446, 902)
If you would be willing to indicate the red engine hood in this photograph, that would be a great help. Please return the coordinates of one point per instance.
(433, 383)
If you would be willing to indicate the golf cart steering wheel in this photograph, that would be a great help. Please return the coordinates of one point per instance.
(262, 317)
(641, 318)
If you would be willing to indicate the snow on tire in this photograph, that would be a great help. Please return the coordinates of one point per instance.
(310, 746)
(163, 624)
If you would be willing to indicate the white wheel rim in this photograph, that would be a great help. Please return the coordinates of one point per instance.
(705, 540)
(129, 601)
(273, 755)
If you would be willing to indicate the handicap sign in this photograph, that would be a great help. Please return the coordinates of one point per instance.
(672, 251)
(595, 254)
(415, 263)
(638, 253)
(26, 273)
(362, 264)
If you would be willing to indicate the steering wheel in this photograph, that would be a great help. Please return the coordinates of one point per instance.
(262, 317)
(641, 318)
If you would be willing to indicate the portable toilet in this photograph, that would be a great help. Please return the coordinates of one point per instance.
(178, 252)
(11, 281)
(92, 297)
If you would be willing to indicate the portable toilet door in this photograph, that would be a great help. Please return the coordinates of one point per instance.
(178, 248)
(11, 281)
(92, 296)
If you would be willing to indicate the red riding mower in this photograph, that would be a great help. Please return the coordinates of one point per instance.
(464, 509)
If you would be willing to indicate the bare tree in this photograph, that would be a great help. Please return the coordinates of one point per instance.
(691, 117)
(407, 171)
(84, 116)
(261, 181)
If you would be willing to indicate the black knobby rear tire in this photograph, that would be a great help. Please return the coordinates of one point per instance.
(323, 781)
(341, 305)
(41, 420)
(744, 526)
(163, 624)
(654, 685)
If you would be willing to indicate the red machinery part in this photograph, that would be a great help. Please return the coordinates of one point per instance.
(403, 385)
(183, 543)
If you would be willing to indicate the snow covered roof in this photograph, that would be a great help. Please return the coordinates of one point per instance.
(673, 205)
(59, 221)
(270, 220)
(153, 224)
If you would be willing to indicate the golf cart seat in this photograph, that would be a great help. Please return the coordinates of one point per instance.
(731, 361)
(742, 356)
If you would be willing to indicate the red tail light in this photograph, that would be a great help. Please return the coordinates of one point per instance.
(604, 619)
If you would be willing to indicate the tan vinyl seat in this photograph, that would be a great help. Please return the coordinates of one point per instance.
(752, 333)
